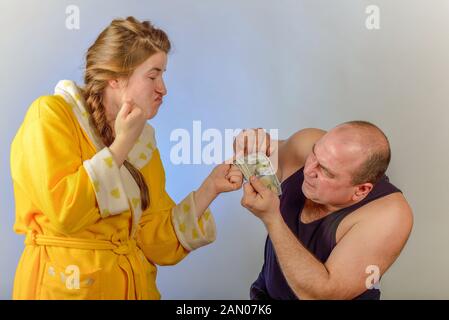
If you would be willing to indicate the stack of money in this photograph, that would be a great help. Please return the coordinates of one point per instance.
(259, 165)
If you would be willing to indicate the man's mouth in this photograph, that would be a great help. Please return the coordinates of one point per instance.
(306, 182)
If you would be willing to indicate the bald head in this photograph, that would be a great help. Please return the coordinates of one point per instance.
(368, 140)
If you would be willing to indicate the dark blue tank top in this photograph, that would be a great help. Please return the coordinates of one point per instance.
(319, 237)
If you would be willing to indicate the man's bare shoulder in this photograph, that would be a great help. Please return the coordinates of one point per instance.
(390, 212)
(293, 151)
(393, 206)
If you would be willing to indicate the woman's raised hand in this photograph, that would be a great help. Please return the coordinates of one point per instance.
(129, 123)
(128, 127)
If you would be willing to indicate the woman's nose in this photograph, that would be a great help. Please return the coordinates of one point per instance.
(161, 88)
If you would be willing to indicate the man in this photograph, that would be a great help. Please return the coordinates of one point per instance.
(338, 225)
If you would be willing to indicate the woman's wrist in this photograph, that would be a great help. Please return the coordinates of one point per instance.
(119, 150)
(204, 196)
(208, 189)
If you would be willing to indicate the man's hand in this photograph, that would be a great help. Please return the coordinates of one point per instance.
(260, 200)
(252, 141)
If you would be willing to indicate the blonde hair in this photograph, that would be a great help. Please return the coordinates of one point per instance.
(116, 53)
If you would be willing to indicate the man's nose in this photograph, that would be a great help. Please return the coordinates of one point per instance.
(311, 173)
(310, 169)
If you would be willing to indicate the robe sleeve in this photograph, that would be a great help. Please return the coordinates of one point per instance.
(169, 231)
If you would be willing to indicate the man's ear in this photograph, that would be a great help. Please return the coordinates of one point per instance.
(362, 191)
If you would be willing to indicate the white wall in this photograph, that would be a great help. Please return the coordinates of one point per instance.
(284, 64)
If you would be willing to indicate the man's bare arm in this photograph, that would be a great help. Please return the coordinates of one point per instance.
(375, 241)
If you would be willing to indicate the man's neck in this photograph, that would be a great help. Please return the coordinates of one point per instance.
(323, 209)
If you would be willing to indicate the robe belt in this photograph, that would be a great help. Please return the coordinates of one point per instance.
(126, 251)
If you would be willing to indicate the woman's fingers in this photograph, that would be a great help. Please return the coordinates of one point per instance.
(124, 110)
(135, 113)
(234, 171)
(235, 179)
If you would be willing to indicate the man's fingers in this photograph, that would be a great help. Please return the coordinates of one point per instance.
(252, 141)
(263, 141)
(257, 139)
(257, 185)
(268, 152)
(248, 192)
(246, 202)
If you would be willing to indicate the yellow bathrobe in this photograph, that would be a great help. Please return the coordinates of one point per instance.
(86, 235)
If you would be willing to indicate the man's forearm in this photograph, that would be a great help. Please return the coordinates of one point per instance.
(306, 276)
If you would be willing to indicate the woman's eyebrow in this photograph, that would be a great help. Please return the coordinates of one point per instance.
(155, 69)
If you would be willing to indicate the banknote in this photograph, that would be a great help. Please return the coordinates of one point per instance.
(259, 165)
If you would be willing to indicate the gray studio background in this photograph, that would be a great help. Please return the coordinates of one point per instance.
(272, 64)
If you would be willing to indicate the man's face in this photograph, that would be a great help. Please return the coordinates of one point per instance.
(146, 86)
(329, 167)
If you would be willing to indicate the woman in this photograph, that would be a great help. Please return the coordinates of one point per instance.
(89, 183)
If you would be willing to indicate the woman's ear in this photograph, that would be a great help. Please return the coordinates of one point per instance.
(113, 83)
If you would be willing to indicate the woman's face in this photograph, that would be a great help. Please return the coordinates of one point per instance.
(146, 86)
